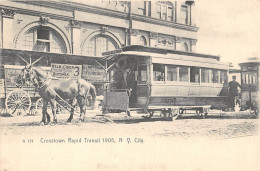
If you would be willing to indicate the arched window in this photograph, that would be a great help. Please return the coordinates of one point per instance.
(43, 39)
(143, 41)
(99, 44)
(185, 47)
(165, 10)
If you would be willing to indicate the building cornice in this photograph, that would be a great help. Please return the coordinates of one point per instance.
(36, 13)
(8, 13)
(72, 6)
(164, 23)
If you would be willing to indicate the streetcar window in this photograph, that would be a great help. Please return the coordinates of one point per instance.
(205, 75)
(142, 73)
(158, 72)
(253, 79)
(247, 80)
(171, 73)
(184, 74)
(214, 76)
(243, 78)
(194, 74)
(223, 77)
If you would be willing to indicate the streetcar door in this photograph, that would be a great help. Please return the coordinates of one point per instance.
(143, 90)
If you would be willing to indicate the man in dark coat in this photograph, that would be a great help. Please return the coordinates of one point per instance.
(132, 85)
(233, 91)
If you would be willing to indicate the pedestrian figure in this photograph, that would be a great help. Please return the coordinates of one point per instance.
(233, 92)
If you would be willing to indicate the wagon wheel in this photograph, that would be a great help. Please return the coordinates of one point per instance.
(151, 112)
(18, 103)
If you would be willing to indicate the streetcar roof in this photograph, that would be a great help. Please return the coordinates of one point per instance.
(111, 55)
(251, 61)
(171, 58)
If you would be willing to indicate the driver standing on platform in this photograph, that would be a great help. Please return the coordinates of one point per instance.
(132, 86)
(119, 77)
(233, 91)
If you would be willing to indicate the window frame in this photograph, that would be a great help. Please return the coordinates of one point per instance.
(91, 48)
(160, 11)
(146, 8)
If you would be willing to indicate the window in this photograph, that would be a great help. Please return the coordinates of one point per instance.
(214, 76)
(243, 78)
(164, 10)
(184, 74)
(158, 72)
(144, 8)
(185, 15)
(143, 41)
(172, 73)
(98, 45)
(185, 47)
(28, 41)
(223, 77)
(194, 74)
(205, 75)
(142, 73)
(43, 39)
(43, 34)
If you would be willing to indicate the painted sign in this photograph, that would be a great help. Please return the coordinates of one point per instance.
(11, 76)
(94, 73)
(66, 70)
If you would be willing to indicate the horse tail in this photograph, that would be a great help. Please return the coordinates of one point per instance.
(93, 93)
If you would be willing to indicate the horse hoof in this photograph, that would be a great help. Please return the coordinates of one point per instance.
(42, 123)
(53, 123)
(69, 120)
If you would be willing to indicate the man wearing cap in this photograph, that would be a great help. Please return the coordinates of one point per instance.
(233, 91)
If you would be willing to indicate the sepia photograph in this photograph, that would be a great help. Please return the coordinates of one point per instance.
(129, 85)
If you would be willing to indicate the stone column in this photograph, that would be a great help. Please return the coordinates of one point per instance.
(7, 32)
(178, 41)
(76, 36)
(153, 39)
(193, 45)
(133, 37)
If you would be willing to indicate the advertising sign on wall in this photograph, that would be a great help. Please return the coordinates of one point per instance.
(93, 72)
(66, 70)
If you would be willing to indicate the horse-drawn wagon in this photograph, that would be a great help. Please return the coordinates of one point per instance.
(18, 101)
(26, 100)
(165, 80)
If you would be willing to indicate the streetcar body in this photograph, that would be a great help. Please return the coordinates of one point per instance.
(169, 78)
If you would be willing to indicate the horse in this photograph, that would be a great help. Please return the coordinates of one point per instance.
(52, 89)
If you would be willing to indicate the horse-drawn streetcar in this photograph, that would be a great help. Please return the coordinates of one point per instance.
(169, 81)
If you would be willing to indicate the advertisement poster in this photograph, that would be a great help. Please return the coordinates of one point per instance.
(66, 70)
(93, 72)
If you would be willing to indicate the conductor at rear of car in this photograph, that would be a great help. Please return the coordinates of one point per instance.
(233, 91)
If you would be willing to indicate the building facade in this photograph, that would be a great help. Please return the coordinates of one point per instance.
(71, 32)
(93, 27)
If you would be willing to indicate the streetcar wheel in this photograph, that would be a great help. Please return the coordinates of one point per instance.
(151, 112)
(256, 112)
(18, 103)
(128, 113)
